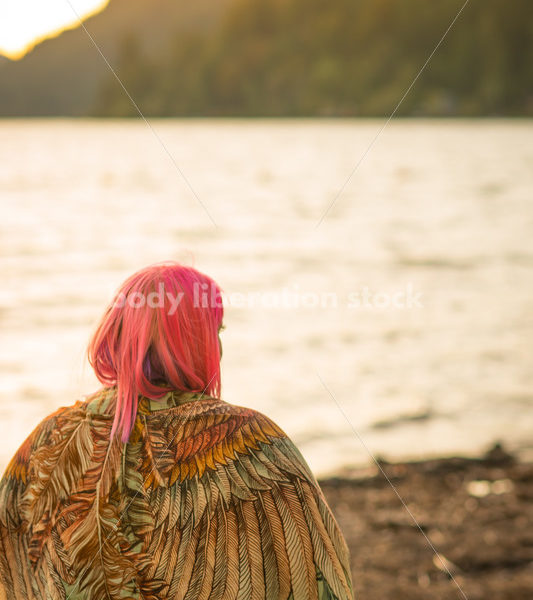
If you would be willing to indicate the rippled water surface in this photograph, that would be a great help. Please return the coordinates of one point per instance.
(439, 210)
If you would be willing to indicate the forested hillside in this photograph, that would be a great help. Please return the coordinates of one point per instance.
(65, 75)
(283, 58)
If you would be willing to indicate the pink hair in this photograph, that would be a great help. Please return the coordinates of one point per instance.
(160, 331)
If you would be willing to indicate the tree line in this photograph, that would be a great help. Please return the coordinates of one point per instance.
(335, 58)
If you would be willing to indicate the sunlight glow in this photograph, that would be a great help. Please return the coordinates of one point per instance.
(23, 23)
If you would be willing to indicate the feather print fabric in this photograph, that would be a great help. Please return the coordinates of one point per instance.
(207, 501)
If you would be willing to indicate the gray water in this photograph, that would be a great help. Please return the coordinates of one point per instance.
(441, 208)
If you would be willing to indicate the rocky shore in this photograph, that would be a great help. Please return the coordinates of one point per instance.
(477, 513)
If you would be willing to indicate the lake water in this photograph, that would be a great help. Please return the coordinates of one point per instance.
(439, 211)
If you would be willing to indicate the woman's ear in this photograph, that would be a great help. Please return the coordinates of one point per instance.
(221, 328)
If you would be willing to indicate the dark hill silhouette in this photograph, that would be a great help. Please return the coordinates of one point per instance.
(282, 58)
(62, 75)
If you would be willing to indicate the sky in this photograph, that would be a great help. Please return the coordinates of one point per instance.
(24, 22)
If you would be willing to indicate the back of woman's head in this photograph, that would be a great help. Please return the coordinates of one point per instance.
(159, 332)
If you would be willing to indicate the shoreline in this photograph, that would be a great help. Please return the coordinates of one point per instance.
(477, 513)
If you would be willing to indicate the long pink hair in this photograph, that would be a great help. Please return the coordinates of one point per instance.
(159, 332)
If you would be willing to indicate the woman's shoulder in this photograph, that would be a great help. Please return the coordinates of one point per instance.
(50, 426)
(197, 413)
(232, 469)
(38, 448)
(210, 433)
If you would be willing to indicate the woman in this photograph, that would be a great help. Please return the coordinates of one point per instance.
(154, 487)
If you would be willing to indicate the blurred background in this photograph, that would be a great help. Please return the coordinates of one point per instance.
(266, 165)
